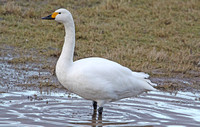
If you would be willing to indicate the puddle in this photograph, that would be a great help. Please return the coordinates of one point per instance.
(32, 108)
(25, 102)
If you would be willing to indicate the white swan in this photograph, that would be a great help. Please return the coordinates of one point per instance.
(96, 79)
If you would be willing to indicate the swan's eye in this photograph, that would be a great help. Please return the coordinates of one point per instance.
(59, 12)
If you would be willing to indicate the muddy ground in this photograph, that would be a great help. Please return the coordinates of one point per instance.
(31, 95)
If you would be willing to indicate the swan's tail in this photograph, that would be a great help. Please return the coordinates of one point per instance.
(145, 77)
(140, 74)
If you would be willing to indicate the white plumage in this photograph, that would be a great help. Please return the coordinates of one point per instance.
(94, 78)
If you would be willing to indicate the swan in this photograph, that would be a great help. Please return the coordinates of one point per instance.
(96, 79)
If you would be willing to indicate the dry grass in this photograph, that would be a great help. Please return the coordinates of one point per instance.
(142, 35)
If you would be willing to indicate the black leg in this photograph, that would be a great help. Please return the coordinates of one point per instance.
(100, 110)
(94, 117)
(95, 105)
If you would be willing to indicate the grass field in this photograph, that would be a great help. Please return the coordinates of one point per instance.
(153, 35)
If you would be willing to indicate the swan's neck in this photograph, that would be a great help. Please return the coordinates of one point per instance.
(66, 57)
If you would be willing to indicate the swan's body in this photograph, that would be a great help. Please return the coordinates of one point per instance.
(94, 78)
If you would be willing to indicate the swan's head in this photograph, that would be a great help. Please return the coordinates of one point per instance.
(61, 15)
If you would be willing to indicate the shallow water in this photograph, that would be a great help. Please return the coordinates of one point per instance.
(25, 108)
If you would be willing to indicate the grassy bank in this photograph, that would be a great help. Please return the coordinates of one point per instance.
(149, 36)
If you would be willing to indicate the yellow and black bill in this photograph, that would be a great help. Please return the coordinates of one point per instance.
(51, 17)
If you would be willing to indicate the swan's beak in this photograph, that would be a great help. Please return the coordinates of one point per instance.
(51, 17)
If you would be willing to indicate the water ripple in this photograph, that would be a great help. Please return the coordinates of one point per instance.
(24, 108)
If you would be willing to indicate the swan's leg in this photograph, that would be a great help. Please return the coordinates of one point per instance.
(100, 104)
(95, 105)
(94, 116)
(100, 110)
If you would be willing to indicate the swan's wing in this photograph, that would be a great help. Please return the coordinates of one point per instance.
(109, 71)
(100, 68)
